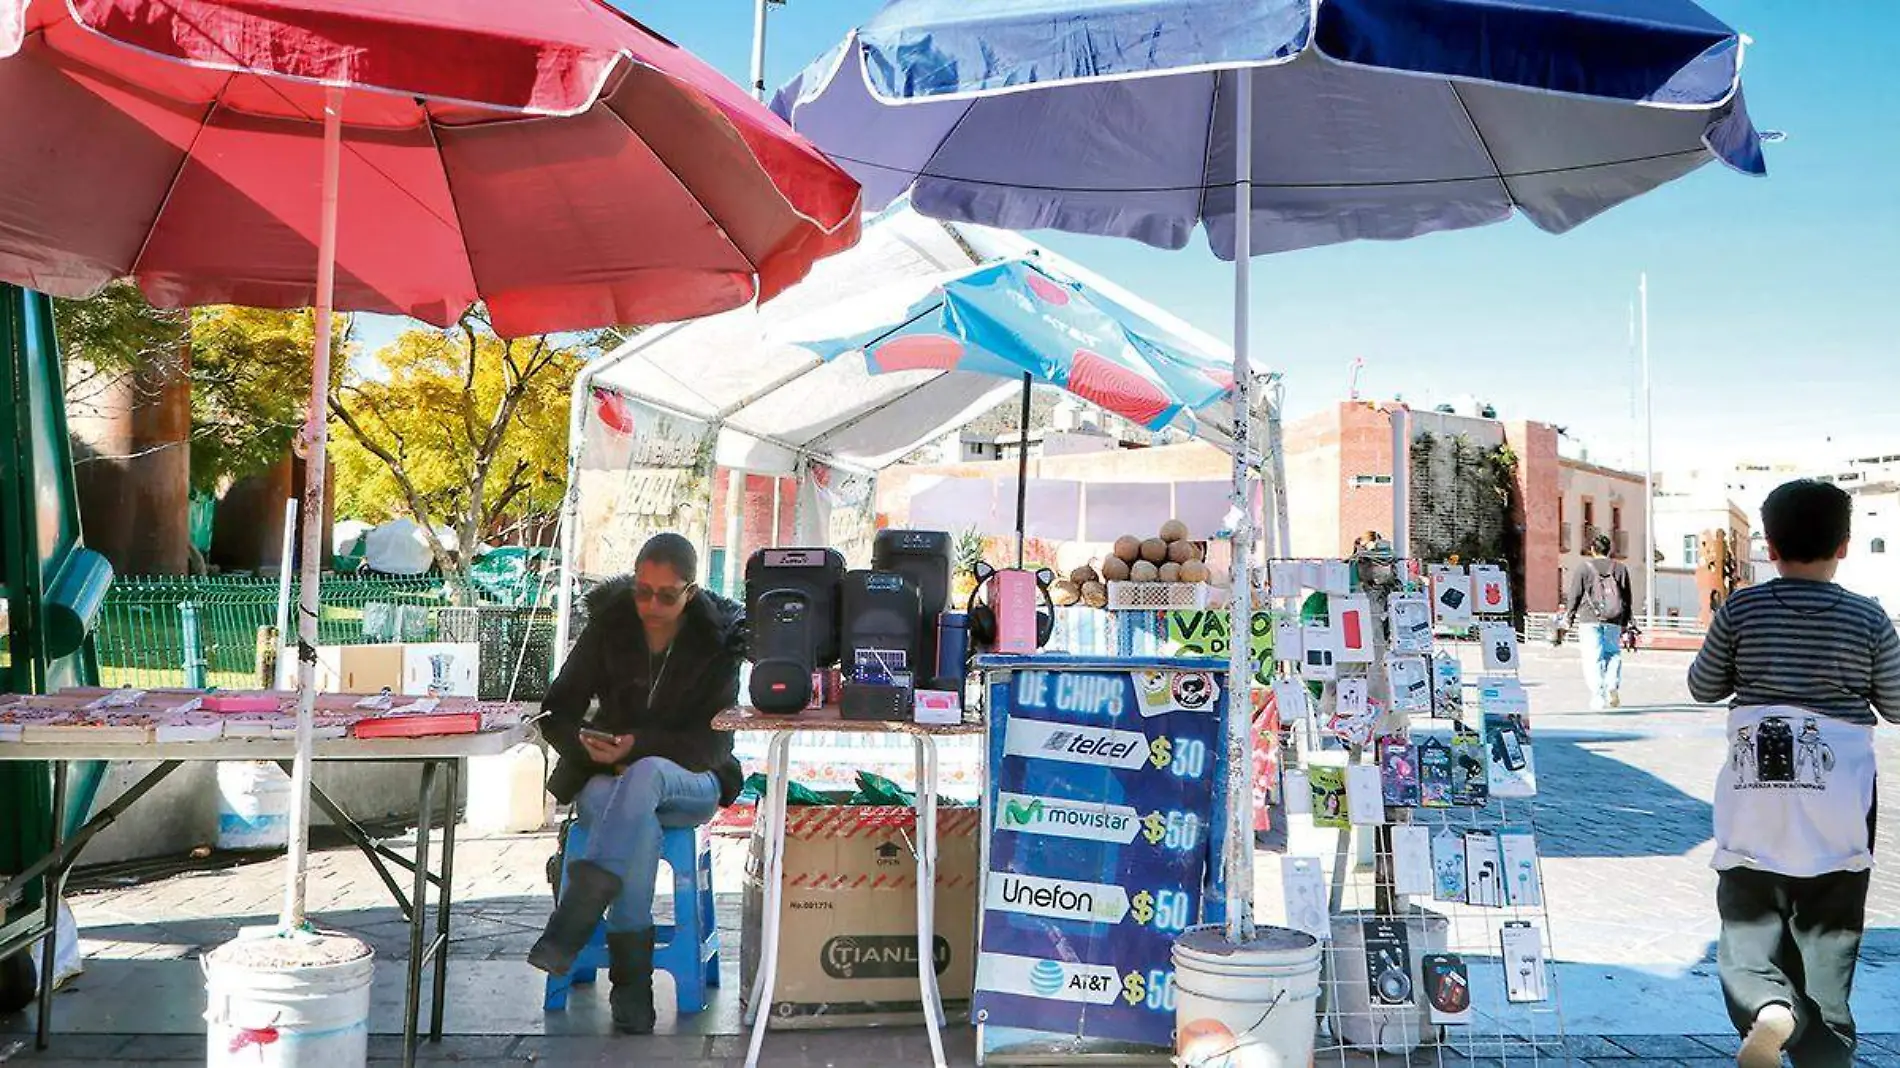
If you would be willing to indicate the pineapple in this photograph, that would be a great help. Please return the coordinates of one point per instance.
(969, 552)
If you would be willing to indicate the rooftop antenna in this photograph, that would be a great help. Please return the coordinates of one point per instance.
(1352, 384)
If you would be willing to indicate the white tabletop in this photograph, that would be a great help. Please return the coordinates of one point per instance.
(439, 747)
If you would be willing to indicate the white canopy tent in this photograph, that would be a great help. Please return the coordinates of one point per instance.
(726, 389)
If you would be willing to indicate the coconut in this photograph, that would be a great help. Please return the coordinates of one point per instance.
(1169, 572)
(1095, 595)
(1218, 576)
(1082, 574)
(1155, 551)
(1174, 530)
(1114, 569)
(1064, 592)
(1194, 571)
(1128, 547)
(1143, 571)
(1182, 551)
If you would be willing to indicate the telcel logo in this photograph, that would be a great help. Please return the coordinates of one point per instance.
(1088, 820)
(1076, 744)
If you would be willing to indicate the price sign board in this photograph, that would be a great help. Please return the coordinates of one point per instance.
(1101, 833)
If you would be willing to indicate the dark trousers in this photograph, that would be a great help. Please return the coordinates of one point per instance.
(1794, 942)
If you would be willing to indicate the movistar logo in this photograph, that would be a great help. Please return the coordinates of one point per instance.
(1017, 814)
(1090, 820)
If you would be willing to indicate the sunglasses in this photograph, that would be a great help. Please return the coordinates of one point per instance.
(667, 597)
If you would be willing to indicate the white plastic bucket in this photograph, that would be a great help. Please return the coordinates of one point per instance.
(253, 805)
(278, 1002)
(1245, 1006)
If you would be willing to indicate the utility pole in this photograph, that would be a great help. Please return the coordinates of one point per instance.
(758, 46)
(1649, 459)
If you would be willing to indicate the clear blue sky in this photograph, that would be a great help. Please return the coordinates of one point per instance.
(1774, 302)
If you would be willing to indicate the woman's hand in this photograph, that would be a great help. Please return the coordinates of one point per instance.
(612, 754)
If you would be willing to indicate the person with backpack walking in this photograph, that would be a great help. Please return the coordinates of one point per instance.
(1597, 610)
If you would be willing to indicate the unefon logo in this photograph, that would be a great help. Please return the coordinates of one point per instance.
(1052, 895)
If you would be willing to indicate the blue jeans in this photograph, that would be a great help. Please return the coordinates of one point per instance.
(1602, 650)
(625, 814)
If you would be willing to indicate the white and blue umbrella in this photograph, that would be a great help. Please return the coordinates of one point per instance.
(1331, 120)
(1019, 319)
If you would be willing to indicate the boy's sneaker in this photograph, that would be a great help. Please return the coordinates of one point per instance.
(1774, 1026)
(1616, 699)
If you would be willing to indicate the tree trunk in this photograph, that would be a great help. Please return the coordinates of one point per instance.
(132, 452)
(248, 534)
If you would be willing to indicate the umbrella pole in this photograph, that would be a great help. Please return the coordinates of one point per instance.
(316, 441)
(1239, 859)
(1022, 469)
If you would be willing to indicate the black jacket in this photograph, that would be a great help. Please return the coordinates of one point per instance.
(697, 679)
(1579, 603)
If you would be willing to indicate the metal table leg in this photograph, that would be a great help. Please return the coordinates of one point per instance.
(927, 895)
(50, 887)
(419, 918)
(777, 774)
(444, 900)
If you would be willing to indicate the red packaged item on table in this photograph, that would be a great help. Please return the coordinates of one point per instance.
(423, 725)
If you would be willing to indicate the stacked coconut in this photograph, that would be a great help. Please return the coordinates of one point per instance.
(1169, 557)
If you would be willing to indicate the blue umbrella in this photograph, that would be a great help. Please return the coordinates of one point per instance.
(1381, 119)
(1017, 318)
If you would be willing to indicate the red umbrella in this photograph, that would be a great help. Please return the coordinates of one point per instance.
(552, 158)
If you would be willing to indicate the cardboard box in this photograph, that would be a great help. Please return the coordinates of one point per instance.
(848, 926)
(442, 669)
(363, 669)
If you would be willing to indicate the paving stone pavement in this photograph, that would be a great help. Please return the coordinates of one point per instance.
(1623, 822)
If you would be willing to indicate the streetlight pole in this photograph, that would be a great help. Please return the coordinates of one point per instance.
(758, 46)
(1649, 460)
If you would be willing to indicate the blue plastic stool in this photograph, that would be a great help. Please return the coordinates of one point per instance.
(687, 949)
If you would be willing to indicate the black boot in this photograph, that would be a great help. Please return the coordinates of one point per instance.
(630, 966)
(585, 895)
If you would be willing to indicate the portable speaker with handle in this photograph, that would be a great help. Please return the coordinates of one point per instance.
(791, 622)
(882, 615)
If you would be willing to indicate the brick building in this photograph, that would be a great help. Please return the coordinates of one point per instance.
(1479, 486)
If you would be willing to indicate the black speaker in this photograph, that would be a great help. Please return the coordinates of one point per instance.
(774, 578)
(926, 557)
(782, 650)
(882, 614)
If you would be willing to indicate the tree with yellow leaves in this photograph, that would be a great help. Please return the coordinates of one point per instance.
(457, 429)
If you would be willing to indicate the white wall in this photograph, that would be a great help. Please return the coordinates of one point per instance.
(1876, 526)
(1609, 492)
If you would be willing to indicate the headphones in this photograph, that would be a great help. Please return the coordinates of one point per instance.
(982, 617)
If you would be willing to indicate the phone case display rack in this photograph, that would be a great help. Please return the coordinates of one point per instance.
(1409, 781)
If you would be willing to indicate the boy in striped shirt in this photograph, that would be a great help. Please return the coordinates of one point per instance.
(1806, 665)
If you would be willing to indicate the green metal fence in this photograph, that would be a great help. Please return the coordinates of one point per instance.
(178, 631)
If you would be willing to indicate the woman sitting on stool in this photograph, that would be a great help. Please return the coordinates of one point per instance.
(661, 657)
